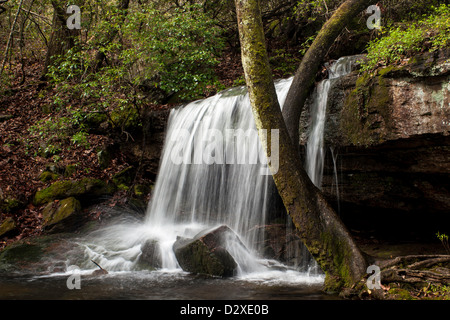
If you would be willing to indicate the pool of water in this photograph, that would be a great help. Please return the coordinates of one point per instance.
(161, 285)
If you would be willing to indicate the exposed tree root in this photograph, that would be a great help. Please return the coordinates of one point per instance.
(407, 277)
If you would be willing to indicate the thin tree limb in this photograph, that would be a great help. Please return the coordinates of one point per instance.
(8, 44)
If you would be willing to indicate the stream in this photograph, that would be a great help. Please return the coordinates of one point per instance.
(158, 285)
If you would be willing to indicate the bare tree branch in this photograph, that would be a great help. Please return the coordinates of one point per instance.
(8, 44)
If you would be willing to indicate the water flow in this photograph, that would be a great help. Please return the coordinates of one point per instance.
(211, 173)
(211, 170)
(315, 152)
(336, 180)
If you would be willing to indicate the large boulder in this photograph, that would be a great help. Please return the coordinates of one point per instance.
(206, 253)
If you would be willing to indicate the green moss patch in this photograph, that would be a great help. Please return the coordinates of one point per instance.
(84, 188)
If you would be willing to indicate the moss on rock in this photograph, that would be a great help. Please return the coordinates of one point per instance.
(47, 176)
(64, 210)
(124, 178)
(365, 115)
(7, 226)
(82, 189)
(127, 117)
(9, 205)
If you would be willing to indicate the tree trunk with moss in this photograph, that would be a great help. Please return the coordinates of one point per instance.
(313, 59)
(321, 230)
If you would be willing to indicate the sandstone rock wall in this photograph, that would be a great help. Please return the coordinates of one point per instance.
(389, 132)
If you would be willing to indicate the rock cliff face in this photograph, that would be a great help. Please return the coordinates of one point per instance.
(389, 135)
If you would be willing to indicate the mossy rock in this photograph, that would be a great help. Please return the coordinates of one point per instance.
(70, 170)
(47, 176)
(206, 253)
(142, 190)
(399, 293)
(124, 178)
(9, 205)
(7, 226)
(84, 189)
(125, 118)
(365, 116)
(62, 215)
(94, 119)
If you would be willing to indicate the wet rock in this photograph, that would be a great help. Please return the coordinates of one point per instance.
(27, 254)
(150, 257)
(281, 243)
(206, 253)
(99, 272)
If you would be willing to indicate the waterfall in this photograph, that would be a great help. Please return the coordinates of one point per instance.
(315, 151)
(213, 171)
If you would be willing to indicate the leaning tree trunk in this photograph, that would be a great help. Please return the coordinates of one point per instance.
(321, 230)
(311, 62)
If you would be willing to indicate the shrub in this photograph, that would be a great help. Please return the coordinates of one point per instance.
(402, 41)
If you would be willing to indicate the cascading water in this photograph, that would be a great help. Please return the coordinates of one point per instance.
(213, 171)
(315, 152)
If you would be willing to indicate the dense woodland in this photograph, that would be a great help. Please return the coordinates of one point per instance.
(66, 95)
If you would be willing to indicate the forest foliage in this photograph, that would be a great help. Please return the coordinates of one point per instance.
(133, 53)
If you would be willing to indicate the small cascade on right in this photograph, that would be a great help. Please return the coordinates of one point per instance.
(315, 151)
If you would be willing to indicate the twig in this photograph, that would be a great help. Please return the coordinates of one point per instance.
(98, 265)
(45, 19)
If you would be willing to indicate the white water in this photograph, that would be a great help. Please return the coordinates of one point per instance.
(315, 152)
(199, 186)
